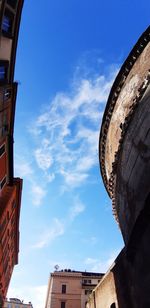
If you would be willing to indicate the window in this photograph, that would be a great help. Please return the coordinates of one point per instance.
(63, 304)
(3, 71)
(12, 3)
(7, 23)
(2, 150)
(87, 292)
(87, 281)
(3, 182)
(113, 305)
(63, 288)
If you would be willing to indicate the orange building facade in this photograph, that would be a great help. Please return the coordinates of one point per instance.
(10, 187)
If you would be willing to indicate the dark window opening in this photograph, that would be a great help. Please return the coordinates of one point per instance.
(7, 23)
(12, 3)
(88, 292)
(63, 304)
(63, 288)
(3, 182)
(2, 149)
(113, 305)
(3, 71)
(88, 281)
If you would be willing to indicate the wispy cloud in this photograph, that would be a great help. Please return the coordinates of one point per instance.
(68, 130)
(56, 230)
(60, 226)
(38, 193)
(76, 209)
(98, 265)
(90, 240)
(24, 169)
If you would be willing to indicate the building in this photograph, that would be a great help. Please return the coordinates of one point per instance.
(124, 149)
(70, 289)
(9, 232)
(10, 187)
(16, 303)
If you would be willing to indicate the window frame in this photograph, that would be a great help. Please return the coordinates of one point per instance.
(10, 16)
(63, 288)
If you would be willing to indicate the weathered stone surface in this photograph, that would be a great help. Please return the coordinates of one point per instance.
(125, 166)
(122, 107)
(133, 176)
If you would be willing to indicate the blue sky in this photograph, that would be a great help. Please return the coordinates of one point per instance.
(68, 55)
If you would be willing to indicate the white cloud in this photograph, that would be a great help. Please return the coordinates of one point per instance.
(90, 261)
(38, 193)
(76, 209)
(97, 265)
(50, 177)
(23, 168)
(35, 294)
(56, 230)
(69, 130)
(43, 155)
(59, 226)
(73, 179)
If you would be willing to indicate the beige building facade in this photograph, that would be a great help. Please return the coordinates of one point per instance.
(70, 289)
(16, 303)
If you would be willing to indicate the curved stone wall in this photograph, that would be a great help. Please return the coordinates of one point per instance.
(133, 176)
(126, 97)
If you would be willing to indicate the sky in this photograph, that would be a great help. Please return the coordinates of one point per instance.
(68, 55)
